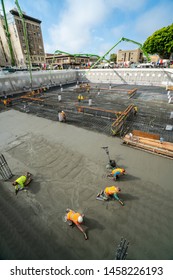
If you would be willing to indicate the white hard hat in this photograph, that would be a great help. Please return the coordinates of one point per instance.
(80, 219)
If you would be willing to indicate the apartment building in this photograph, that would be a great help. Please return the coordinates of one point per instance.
(35, 40)
(4, 50)
(132, 56)
(64, 61)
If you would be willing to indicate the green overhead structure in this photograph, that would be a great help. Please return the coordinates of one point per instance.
(77, 54)
(74, 55)
(58, 52)
(122, 39)
(26, 40)
(13, 62)
(86, 55)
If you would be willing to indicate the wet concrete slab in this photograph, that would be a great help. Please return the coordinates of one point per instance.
(69, 169)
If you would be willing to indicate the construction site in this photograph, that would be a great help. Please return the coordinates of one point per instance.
(104, 108)
(69, 168)
(126, 112)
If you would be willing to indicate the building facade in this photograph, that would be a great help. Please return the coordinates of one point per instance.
(64, 61)
(34, 36)
(129, 56)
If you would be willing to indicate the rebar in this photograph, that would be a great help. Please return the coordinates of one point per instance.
(122, 248)
(5, 171)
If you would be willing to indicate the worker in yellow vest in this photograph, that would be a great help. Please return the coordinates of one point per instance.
(116, 173)
(135, 110)
(22, 182)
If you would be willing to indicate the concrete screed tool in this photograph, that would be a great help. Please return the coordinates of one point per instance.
(112, 163)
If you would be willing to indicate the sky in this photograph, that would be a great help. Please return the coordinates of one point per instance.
(95, 26)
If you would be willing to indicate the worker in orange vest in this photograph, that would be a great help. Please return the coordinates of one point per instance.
(110, 192)
(75, 218)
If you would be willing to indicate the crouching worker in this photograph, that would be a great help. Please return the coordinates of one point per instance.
(116, 173)
(22, 182)
(75, 218)
(62, 116)
(110, 192)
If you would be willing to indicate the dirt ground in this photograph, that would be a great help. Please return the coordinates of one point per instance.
(69, 168)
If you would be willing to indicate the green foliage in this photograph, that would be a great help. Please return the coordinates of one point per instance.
(113, 57)
(160, 42)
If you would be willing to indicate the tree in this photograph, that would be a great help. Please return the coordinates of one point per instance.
(113, 57)
(161, 42)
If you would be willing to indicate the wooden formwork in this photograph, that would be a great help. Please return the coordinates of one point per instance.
(149, 144)
(119, 122)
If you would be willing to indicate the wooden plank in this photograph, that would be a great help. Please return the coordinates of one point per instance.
(157, 144)
(132, 91)
(146, 134)
(31, 98)
(96, 109)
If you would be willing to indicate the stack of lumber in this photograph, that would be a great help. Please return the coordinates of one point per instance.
(149, 142)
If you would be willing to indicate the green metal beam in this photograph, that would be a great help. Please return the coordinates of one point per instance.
(122, 39)
(13, 62)
(103, 57)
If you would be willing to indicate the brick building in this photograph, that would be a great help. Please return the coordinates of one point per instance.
(34, 35)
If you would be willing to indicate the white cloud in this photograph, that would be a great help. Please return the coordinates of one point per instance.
(74, 31)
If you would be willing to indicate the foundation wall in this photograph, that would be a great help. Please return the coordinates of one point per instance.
(20, 82)
(155, 77)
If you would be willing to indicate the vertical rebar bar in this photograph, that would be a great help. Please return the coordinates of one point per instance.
(121, 252)
(5, 171)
